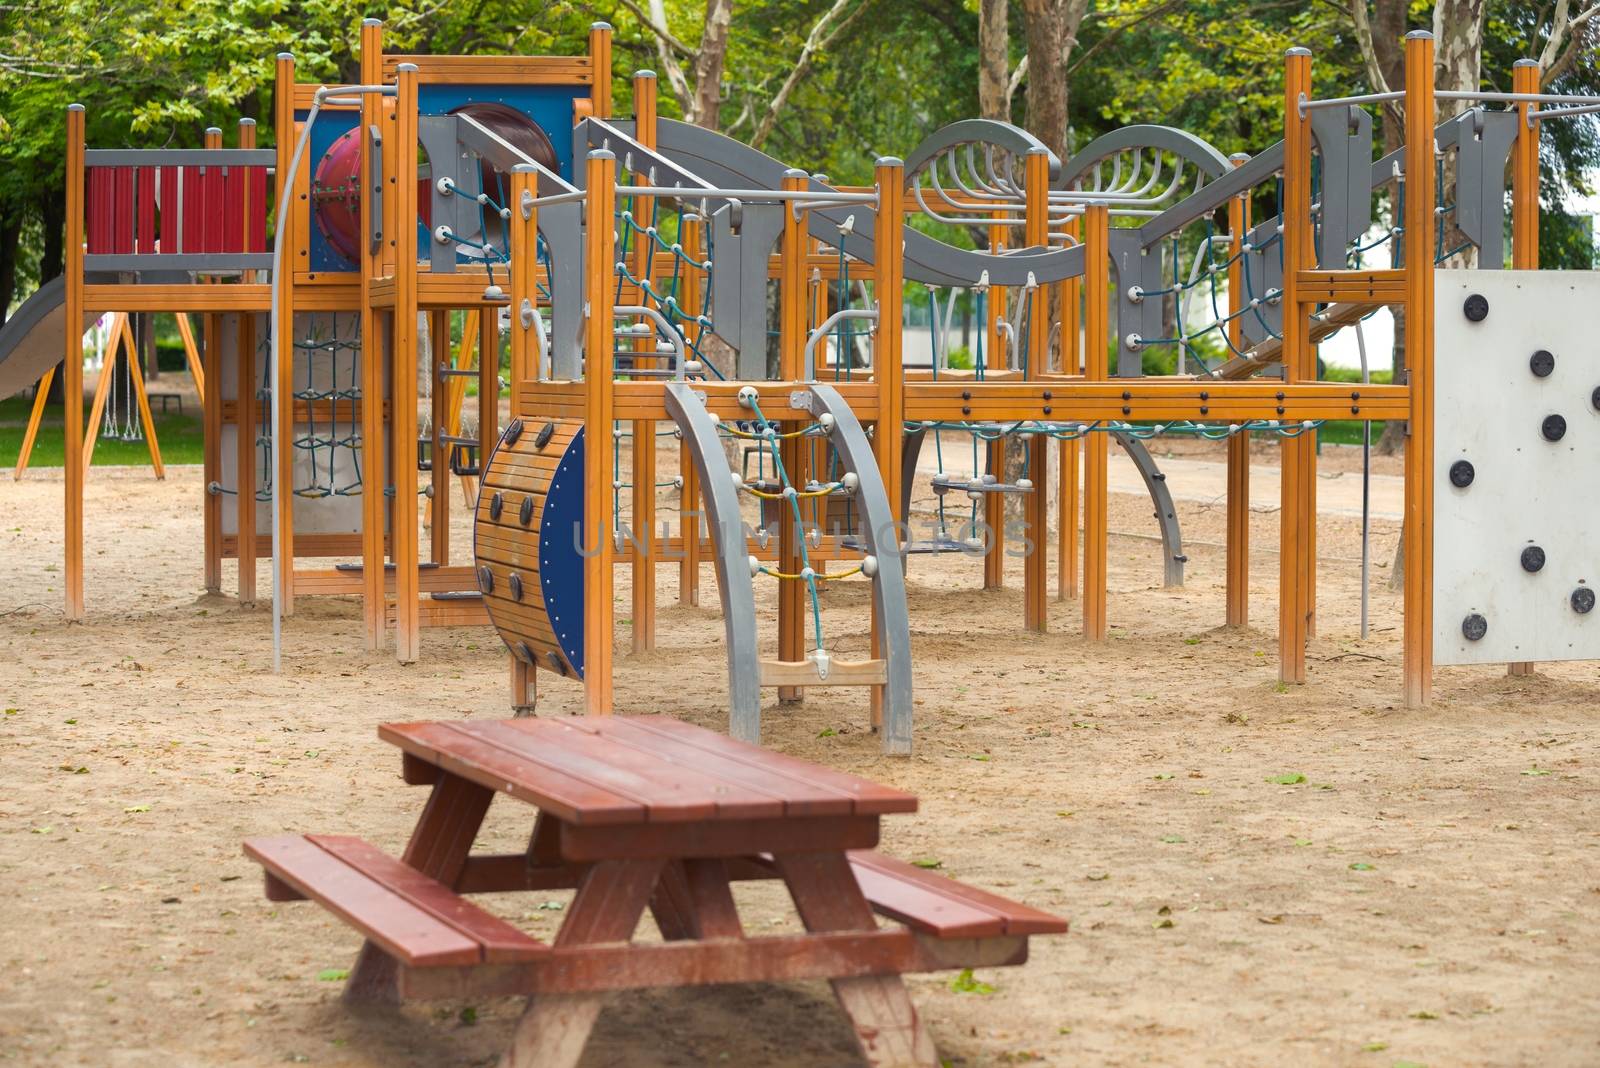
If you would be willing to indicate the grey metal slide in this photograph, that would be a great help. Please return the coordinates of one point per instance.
(33, 340)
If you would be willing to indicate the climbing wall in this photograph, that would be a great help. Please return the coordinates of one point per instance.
(1516, 466)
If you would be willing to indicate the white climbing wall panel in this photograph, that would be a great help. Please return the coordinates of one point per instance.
(1516, 535)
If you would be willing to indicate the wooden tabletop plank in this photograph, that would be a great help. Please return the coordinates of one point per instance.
(800, 798)
(868, 797)
(547, 744)
(565, 797)
(501, 942)
(734, 799)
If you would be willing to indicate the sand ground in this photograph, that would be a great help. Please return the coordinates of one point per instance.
(1428, 895)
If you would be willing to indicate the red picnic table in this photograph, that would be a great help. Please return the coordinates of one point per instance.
(635, 813)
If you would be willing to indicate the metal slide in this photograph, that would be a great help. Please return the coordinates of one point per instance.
(34, 339)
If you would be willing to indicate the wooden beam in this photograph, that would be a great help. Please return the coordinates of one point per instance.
(888, 366)
(1096, 337)
(41, 396)
(643, 518)
(1419, 237)
(282, 384)
(403, 540)
(599, 414)
(1297, 256)
(375, 508)
(1071, 450)
(72, 375)
(1036, 175)
(1524, 199)
(1238, 520)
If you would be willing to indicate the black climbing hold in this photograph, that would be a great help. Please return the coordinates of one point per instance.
(515, 582)
(1541, 363)
(513, 432)
(1554, 428)
(526, 514)
(525, 653)
(1594, 398)
(1462, 474)
(1476, 308)
(1532, 559)
(1474, 627)
(1583, 600)
(497, 504)
(485, 579)
(557, 663)
(546, 432)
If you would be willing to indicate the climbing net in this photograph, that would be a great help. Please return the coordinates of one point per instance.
(661, 275)
(327, 379)
(768, 436)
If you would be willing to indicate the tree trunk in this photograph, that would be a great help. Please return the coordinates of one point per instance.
(1388, 33)
(708, 63)
(53, 212)
(10, 235)
(994, 60)
(1052, 31)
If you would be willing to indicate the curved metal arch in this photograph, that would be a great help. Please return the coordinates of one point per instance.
(1180, 143)
(1003, 135)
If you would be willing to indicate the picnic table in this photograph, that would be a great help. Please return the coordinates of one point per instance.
(639, 813)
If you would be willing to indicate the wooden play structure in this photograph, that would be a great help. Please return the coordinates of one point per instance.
(449, 190)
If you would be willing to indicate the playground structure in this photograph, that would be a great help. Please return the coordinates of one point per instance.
(663, 317)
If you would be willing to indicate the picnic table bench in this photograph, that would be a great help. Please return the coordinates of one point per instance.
(643, 813)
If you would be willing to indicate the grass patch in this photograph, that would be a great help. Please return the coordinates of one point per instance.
(181, 437)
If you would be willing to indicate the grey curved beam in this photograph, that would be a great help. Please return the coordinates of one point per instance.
(1172, 557)
(1003, 135)
(727, 163)
(733, 560)
(881, 535)
(1180, 143)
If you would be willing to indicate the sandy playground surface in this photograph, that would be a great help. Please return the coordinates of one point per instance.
(1428, 895)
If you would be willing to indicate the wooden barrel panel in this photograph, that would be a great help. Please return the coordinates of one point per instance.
(525, 541)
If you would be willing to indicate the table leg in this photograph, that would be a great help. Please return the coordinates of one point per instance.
(694, 900)
(887, 1025)
(438, 848)
(606, 908)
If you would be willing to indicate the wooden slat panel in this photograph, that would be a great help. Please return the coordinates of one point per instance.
(403, 930)
(867, 797)
(501, 942)
(567, 797)
(932, 902)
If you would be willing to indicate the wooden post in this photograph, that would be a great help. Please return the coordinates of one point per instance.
(375, 508)
(403, 546)
(289, 208)
(791, 367)
(643, 516)
(1419, 237)
(1096, 331)
(691, 237)
(1071, 450)
(600, 63)
(1524, 199)
(994, 504)
(888, 372)
(211, 421)
(41, 395)
(600, 257)
(102, 386)
(1297, 256)
(246, 407)
(1238, 525)
(437, 508)
(1036, 172)
(191, 351)
(72, 373)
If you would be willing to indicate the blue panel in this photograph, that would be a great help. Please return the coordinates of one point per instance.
(548, 105)
(561, 532)
(331, 125)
